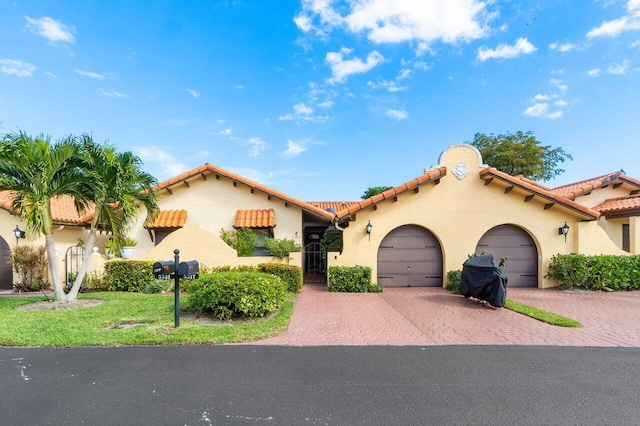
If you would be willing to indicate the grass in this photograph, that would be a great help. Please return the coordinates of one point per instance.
(92, 326)
(540, 315)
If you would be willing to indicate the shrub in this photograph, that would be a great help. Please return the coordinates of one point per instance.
(453, 281)
(290, 275)
(332, 241)
(160, 286)
(595, 272)
(128, 275)
(235, 294)
(31, 263)
(244, 240)
(280, 247)
(351, 279)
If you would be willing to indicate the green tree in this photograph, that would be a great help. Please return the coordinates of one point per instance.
(36, 171)
(374, 190)
(521, 153)
(118, 187)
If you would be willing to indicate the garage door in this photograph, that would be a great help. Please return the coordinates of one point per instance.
(410, 256)
(518, 246)
(6, 269)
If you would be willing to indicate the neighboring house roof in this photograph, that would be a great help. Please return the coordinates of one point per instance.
(335, 205)
(168, 219)
(574, 190)
(620, 207)
(414, 184)
(63, 209)
(237, 179)
(255, 218)
(524, 184)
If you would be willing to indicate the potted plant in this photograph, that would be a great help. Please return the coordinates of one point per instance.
(110, 248)
(127, 244)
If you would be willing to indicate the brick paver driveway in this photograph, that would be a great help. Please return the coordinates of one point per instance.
(433, 316)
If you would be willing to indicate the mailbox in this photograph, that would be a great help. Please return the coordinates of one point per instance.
(188, 269)
(163, 270)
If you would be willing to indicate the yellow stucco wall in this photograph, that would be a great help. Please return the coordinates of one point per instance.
(460, 211)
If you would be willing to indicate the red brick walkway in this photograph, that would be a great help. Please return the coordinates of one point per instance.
(433, 316)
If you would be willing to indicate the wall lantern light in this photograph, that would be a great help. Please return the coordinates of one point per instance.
(369, 228)
(18, 234)
(564, 231)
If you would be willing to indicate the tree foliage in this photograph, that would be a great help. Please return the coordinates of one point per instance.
(243, 240)
(374, 190)
(521, 153)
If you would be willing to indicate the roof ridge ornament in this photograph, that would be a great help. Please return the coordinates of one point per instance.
(460, 170)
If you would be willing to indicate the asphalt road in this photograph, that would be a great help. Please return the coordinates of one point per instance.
(253, 385)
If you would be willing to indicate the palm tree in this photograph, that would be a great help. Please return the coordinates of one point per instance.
(36, 171)
(118, 187)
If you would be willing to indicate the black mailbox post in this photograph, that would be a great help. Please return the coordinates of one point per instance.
(167, 270)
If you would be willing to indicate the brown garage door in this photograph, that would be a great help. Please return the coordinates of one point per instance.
(410, 256)
(518, 246)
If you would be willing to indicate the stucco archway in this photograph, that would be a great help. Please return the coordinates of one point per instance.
(410, 256)
(517, 245)
(6, 266)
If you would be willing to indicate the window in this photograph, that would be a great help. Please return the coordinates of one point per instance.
(625, 237)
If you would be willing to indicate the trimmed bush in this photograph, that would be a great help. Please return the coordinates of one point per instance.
(595, 272)
(453, 281)
(128, 275)
(356, 279)
(290, 275)
(280, 247)
(243, 240)
(237, 294)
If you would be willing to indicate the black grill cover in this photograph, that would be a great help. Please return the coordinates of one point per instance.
(483, 279)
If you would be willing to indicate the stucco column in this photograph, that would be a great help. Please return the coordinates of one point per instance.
(634, 235)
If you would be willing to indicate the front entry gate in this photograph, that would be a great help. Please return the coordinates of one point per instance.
(72, 262)
(315, 264)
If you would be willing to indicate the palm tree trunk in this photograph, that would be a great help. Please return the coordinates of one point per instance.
(91, 240)
(53, 268)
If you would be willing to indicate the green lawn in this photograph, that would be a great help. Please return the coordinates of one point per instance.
(92, 326)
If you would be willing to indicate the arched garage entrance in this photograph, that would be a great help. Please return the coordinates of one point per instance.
(410, 256)
(6, 266)
(520, 249)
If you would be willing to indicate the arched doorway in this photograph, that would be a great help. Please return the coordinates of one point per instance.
(410, 256)
(6, 266)
(520, 249)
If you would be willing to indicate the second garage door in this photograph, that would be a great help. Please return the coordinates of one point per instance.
(410, 256)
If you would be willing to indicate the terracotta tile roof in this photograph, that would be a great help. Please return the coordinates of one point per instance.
(168, 219)
(621, 206)
(335, 205)
(537, 190)
(63, 209)
(428, 176)
(217, 171)
(255, 219)
(574, 190)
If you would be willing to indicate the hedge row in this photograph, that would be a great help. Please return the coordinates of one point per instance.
(355, 279)
(596, 272)
(128, 275)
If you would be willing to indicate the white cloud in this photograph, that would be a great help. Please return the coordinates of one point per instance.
(390, 86)
(161, 160)
(257, 147)
(193, 93)
(238, 87)
(561, 103)
(594, 72)
(540, 97)
(563, 48)
(397, 114)
(294, 149)
(541, 110)
(505, 51)
(629, 22)
(51, 75)
(619, 69)
(302, 112)
(225, 132)
(550, 106)
(52, 30)
(16, 67)
(112, 94)
(326, 104)
(89, 74)
(341, 68)
(559, 84)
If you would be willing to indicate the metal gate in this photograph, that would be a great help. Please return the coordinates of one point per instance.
(315, 264)
(72, 261)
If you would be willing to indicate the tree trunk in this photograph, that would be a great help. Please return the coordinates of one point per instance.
(53, 268)
(91, 241)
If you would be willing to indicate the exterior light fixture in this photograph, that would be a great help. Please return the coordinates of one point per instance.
(564, 231)
(18, 234)
(369, 228)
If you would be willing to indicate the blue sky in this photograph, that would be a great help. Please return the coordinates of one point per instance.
(321, 99)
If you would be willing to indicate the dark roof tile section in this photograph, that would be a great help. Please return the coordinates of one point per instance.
(428, 176)
(255, 219)
(168, 219)
(574, 190)
(550, 196)
(629, 206)
(208, 168)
